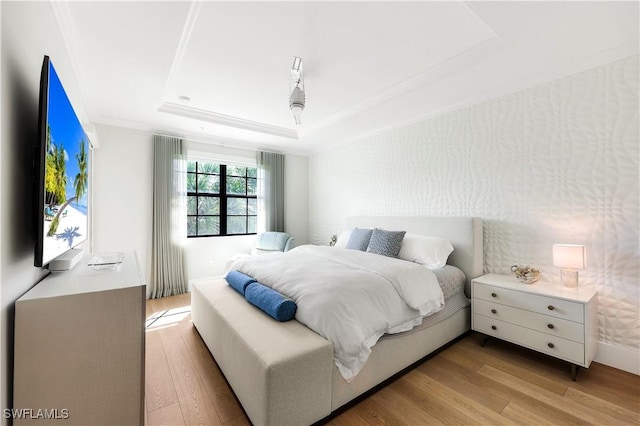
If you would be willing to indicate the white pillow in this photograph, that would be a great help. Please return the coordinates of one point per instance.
(343, 238)
(431, 252)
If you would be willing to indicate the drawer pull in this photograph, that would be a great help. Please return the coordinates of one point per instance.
(494, 295)
(550, 326)
(551, 345)
(493, 311)
(550, 307)
(493, 327)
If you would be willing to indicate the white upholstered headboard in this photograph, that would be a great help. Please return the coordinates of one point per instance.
(465, 233)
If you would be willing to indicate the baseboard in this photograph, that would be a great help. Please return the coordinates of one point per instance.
(620, 358)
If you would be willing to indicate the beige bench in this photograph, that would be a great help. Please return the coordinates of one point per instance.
(280, 372)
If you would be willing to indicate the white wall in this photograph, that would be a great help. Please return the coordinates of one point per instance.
(123, 197)
(207, 257)
(122, 193)
(556, 163)
(28, 32)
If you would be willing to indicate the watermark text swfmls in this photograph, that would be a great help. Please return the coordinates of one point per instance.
(36, 413)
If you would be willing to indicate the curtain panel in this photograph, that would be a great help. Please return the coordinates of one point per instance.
(270, 191)
(169, 229)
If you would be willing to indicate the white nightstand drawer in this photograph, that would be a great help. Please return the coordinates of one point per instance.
(552, 345)
(532, 302)
(544, 323)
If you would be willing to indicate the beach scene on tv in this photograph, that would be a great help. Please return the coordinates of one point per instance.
(66, 175)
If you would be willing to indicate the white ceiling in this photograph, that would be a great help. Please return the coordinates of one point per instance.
(369, 66)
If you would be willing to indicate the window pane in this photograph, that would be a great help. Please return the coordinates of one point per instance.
(208, 205)
(236, 185)
(209, 225)
(192, 205)
(253, 225)
(209, 184)
(236, 225)
(253, 206)
(236, 206)
(236, 171)
(251, 186)
(191, 226)
(208, 168)
(191, 182)
(204, 214)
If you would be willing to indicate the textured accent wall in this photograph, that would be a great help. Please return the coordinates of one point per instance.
(558, 163)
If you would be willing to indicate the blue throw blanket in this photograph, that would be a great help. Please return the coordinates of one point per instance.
(270, 301)
(239, 281)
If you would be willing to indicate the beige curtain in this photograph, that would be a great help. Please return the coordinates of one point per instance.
(169, 227)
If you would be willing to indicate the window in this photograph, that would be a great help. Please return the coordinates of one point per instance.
(221, 199)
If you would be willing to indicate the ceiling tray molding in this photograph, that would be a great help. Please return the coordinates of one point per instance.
(185, 38)
(227, 142)
(226, 120)
(480, 52)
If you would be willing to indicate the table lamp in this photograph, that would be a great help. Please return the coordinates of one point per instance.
(569, 257)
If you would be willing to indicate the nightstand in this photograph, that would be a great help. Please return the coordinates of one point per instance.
(552, 319)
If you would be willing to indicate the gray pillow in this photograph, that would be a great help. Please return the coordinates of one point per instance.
(386, 243)
(359, 239)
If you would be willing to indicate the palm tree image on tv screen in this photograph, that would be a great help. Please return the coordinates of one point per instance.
(66, 174)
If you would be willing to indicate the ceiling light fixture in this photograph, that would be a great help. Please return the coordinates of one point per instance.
(296, 89)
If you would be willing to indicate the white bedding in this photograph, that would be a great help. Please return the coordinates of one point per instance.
(349, 297)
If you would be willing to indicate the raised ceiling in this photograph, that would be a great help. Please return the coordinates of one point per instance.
(369, 66)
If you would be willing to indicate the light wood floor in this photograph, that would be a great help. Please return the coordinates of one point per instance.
(463, 384)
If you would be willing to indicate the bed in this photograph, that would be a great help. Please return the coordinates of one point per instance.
(283, 373)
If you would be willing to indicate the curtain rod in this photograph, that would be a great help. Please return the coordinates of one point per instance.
(215, 142)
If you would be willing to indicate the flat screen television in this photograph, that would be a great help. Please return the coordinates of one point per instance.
(62, 172)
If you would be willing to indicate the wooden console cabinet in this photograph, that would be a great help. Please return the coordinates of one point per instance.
(79, 348)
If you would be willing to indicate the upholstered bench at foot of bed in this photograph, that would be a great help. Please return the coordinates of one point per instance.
(277, 382)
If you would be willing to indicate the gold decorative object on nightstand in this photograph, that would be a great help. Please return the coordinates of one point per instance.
(526, 274)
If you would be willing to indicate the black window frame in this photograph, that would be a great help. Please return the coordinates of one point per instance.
(223, 197)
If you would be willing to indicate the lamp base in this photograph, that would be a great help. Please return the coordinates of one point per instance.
(569, 277)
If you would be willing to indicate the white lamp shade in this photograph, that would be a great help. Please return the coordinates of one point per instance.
(570, 256)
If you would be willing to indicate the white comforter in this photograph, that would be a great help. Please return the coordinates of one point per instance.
(347, 296)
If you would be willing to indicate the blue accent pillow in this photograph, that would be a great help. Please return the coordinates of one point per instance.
(271, 302)
(239, 281)
(386, 243)
(359, 239)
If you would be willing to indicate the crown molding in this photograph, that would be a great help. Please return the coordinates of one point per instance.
(67, 27)
(226, 120)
